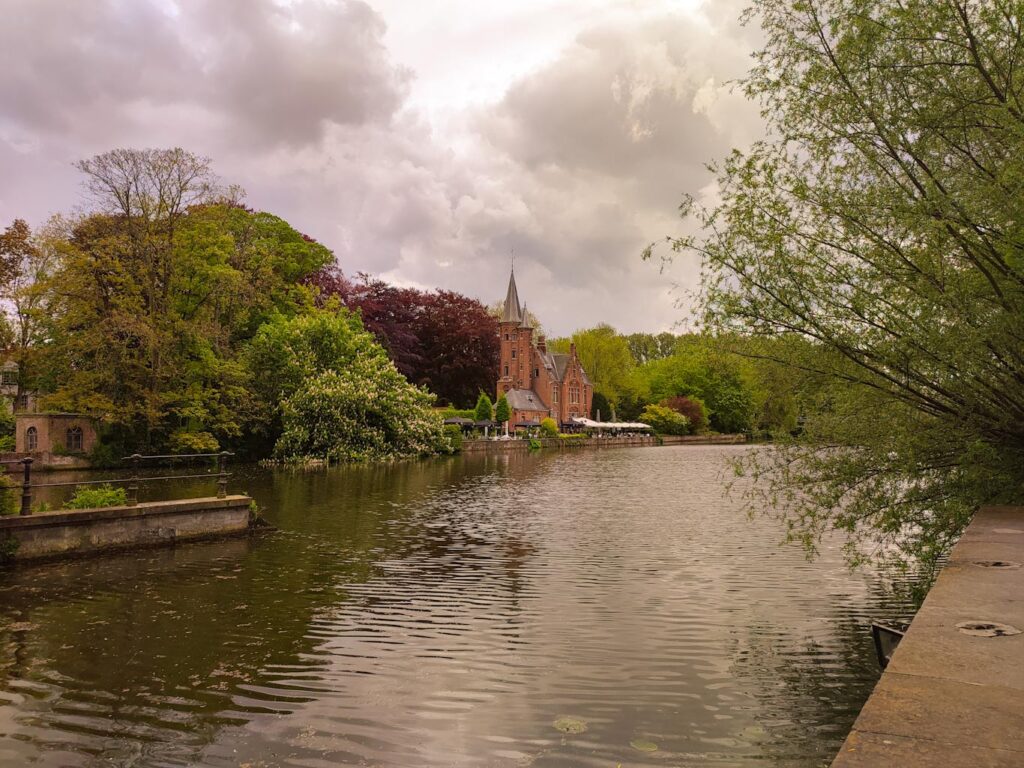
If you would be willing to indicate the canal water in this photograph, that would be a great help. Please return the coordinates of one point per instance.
(590, 608)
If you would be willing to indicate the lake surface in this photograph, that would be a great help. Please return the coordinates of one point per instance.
(451, 613)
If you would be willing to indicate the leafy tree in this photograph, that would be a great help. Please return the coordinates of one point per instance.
(549, 427)
(605, 357)
(881, 223)
(664, 420)
(484, 409)
(600, 406)
(441, 340)
(502, 411)
(338, 395)
(692, 408)
(645, 347)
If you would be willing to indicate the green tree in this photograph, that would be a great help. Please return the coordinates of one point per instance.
(502, 411)
(549, 427)
(337, 394)
(605, 357)
(882, 224)
(484, 409)
(665, 420)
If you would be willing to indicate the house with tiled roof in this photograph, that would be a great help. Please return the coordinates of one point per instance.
(538, 383)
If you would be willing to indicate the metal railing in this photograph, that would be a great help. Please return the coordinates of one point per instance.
(132, 482)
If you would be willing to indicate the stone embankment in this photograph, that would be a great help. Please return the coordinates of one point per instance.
(953, 693)
(509, 446)
(70, 532)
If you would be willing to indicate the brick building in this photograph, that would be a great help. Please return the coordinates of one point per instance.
(538, 383)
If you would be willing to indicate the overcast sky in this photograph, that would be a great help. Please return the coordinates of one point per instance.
(421, 141)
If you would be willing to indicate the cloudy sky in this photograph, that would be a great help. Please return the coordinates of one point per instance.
(422, 140)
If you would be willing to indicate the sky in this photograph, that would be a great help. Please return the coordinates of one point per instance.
(422, 141)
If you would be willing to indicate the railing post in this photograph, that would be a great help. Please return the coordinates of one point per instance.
(26, 487)
(222, 476)
(133, 483)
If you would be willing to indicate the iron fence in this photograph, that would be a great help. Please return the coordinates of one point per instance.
(133, 482)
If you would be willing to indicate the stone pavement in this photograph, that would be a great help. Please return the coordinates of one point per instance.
(953, 695)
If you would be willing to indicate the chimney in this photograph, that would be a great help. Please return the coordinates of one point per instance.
(572, 349)
(542, 344)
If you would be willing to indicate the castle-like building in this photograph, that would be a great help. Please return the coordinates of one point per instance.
(538, 383)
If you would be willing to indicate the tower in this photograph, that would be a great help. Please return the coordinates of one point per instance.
(510, 362)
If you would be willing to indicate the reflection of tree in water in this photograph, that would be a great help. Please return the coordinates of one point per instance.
(810, 692)
(167, 646)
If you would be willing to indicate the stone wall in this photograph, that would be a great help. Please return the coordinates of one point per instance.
(83, 531)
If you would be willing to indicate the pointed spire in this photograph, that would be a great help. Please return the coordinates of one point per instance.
(513, 312)
(525, 324)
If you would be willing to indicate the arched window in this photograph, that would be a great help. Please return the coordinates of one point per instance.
(31, 439)
(74, 441)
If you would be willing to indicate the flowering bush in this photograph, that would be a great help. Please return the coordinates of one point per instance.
(365, 411)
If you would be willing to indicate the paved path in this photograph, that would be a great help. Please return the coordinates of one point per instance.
(949, 698)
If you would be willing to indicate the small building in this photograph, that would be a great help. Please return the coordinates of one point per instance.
(54, 433)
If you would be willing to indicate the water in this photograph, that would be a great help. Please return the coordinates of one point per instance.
(450, 613)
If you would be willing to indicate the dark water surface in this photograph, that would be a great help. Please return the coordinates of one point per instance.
(449, 613)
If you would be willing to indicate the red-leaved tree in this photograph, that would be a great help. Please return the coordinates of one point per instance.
(442, 340)
(692, 408)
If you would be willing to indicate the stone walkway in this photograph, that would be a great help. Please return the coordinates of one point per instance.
(953, 694)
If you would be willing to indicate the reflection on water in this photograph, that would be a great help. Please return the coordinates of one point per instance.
(448, 613)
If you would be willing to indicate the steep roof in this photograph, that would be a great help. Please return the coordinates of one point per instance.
(524, 400)
(513, 311)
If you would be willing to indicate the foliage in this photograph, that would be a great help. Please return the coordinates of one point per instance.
(575, 436)
(10, 501)
(7, 444)
(535, 444)
(880, 224)
(665, 421)
(549, 427)
(154, 294)
(600, 406)
(8, 549)
(453, 436)
(646, 347)
(692, 408)
(339, 395)
(193, 442)
(461, 413)
(484, 410)
(93, 497)
(441, 340)
(605, 357)
(502, 411)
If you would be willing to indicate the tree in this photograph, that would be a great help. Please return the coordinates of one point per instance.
(605, 357)
(337, 394)
(502, 411)
(645, 347)
(441, 340)
(600, 407)
(692, 408)
(882, 225)
(549, 427)
(484, 409)
(665, 421)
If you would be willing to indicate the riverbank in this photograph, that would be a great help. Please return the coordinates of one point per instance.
(513, 446)
(952, 694)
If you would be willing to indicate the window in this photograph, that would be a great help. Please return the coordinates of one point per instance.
(536, 373)
(31, 439)
(506, 337)
(74, 439)
(22, 403)
(574, 393)
(506, 370)
(513, 354)
(9, 376)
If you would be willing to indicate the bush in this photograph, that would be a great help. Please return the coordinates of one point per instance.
(484, 410)
(100, 496)
(453, 434)
(664, 420)
(10, 501)
(6, 443)
(573, 436)
(183, 441)
(548, 428)
(535, 444)
(458, 413)
(692, 408)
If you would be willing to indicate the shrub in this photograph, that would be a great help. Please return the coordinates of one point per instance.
(458, 413)
(502, 411)
(484, 410)
(183, 441)
(535, 444)
(453, 434)
(6, 443)
(664, 420)
(573, 436)
(9, 499)
(548, 427)
(692, 408)
(100, 496)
